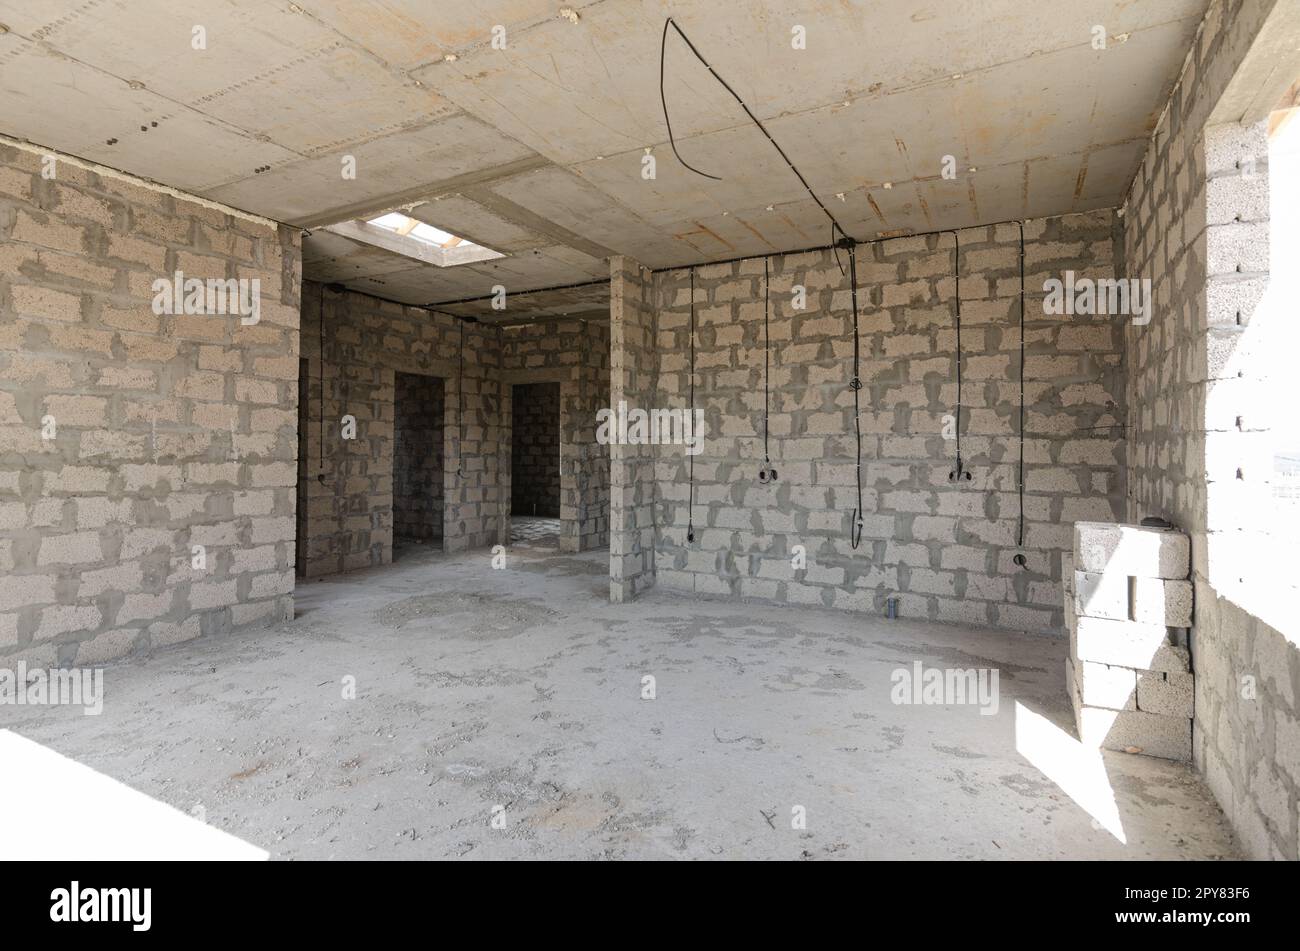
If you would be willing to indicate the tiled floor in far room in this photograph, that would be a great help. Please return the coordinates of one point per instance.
(534, 531)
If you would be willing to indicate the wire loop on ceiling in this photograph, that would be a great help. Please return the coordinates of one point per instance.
(663, 45)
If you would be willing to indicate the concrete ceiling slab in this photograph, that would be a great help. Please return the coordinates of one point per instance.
(153, 41)
(411, 33)
(564, 198)
(406, 286)
(536, 149)
(494, 200)
(309, 188)
(1105, 170)
(133, 129)
(436, 287)
(462, 216)
(331, 256)
(574, 92)
(358, 261)
(332, 98)
(587, 302)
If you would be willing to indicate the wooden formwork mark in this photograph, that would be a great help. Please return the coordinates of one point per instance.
(756, 233)
(876, 208)
(1083, 176)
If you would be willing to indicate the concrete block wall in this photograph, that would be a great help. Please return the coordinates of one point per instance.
(1127, 610)
(1195, 223)
(575, 355)
(944, 550)
(172, 431)
(348, 523)
(585, 476)
(633, 380)
(419, 457)
(535, 450)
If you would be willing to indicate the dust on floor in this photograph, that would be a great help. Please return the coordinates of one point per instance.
(499, 713)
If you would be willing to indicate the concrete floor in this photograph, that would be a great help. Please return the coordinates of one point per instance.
(521, 688)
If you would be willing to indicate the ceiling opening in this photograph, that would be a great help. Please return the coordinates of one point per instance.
(406, 225)
(402, 234)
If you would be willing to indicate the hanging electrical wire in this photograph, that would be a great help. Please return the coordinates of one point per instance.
(460, 403)
(959, 473)
(690, 510)
(663, 45)
(767, 473)
(320, 340)
(855, 384)
(1020, 559)
(846, 242)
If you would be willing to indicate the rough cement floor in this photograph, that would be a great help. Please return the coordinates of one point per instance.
(521, 688)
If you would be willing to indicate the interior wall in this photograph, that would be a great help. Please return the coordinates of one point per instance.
(634, 369)
(419, 473)
(300, 495)
(945, 550)
(129, 435)
(364, 343)
(1196, 224)
(535, 450)
(574, 354)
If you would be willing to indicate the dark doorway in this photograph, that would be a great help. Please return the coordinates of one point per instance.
(535, 463)
(419, 427)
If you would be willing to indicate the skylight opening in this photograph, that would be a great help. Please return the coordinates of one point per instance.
(409, 227)
(402, 234)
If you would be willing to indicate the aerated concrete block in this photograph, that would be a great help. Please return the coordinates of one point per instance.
(1133, 731)
(1120, 597)
(1136, 732)
(1104, 595)
(1100, 685)
(1161, 601)
(1131, 550)
(1128, 644)
(1166, 694)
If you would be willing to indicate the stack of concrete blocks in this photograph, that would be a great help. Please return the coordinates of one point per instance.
(1128, 605)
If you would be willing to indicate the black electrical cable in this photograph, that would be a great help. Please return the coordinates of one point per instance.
(321, 366)
(460, 404)
(814, 249)
(767, 473)
(835, 225)
(959, 472)
(855, 529)
(663, 100)
(690, 510)
(1020, 475)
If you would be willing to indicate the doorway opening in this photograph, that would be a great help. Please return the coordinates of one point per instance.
(535, 465)
(419, 434)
